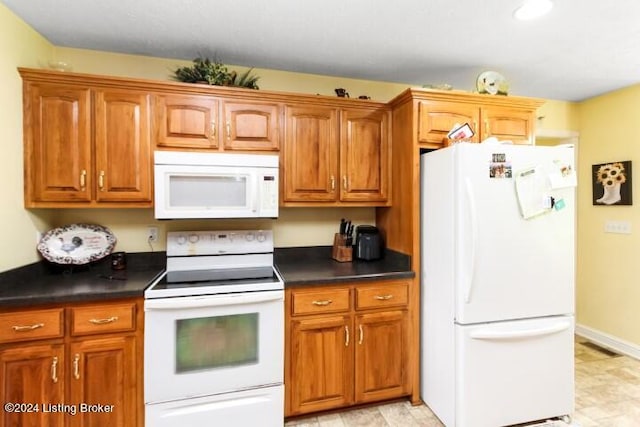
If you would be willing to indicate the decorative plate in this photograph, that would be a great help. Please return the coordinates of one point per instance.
(492, 82)
(77, 244)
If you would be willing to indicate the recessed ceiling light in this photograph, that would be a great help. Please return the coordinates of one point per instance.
(532, 9)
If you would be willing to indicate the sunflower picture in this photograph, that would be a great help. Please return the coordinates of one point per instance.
(612, 183)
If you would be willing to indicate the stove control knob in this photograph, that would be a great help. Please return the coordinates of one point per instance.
(261, 237)
(250, 237)
(193, 238)
(181, 240)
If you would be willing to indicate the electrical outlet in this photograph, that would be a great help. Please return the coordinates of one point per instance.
(152, 234)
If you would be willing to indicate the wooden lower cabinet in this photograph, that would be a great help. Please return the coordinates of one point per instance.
(381, 351)
(32, 375)
(322, 360)
(345, 345)
(104, 375)
(89, 377)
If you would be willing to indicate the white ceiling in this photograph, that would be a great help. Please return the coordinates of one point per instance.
(581, 49)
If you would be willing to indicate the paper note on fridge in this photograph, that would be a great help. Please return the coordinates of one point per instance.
(564, 177)
(532, 191)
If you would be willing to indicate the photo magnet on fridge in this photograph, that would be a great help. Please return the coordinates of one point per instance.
(461, 132)
(500, 170)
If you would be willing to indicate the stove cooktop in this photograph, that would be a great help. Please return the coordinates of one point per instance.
(162, 288)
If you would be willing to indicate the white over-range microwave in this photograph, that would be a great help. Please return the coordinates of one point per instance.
(215, 185)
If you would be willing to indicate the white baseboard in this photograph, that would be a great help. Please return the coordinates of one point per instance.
(609, 341)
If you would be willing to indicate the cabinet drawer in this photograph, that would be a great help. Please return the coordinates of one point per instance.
(103, 318)
(392, 294)
(321, 301)
(31, 325)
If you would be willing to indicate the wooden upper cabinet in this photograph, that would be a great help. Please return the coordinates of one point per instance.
(57, 131)
(122, 146)
(214, 123)
(364, 155)
(310, 154)
(86, 147)
(336, 156)
(508, 124)
(186, 121)
(436, 119)
(251, 126)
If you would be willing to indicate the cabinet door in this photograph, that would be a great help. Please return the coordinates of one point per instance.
(436, 119)
(321, 364)
(381, 355)
(123, 153)
(364, 156)
(508, 124)
(57, 144)
(311, 154)
(103, 372)
(32, 375)
(186, 121)
(251, 126)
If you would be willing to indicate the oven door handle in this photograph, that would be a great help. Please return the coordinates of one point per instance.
(209, 301)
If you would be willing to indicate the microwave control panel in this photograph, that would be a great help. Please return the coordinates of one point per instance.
(269, 194)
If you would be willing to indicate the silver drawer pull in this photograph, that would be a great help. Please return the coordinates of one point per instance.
(27, 328)
(383, 297)
(322, 302)
(103, 321)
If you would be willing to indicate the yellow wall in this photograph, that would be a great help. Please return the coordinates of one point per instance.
(20, 45)
(608, 295)
(294, 226)
(558, 115)
(116, 64)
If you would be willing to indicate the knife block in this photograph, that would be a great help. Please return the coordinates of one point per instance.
(341, 252)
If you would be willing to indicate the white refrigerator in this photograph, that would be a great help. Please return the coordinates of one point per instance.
(497, 278)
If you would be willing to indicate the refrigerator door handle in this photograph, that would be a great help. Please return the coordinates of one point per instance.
(473, 217)
(488, 334)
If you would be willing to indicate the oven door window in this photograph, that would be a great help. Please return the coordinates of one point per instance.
(223, 191)
(216, 342)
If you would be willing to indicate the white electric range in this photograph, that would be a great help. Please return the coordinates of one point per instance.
(214, 332)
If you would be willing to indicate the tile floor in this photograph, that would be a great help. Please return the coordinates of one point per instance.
(607, 395)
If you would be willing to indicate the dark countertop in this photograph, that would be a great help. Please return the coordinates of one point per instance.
(45, 283)
(314, 265)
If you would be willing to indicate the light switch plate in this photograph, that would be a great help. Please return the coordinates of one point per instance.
(619, 227)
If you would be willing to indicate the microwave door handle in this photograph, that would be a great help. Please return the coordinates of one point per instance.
(255, 192)
(255, 204)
